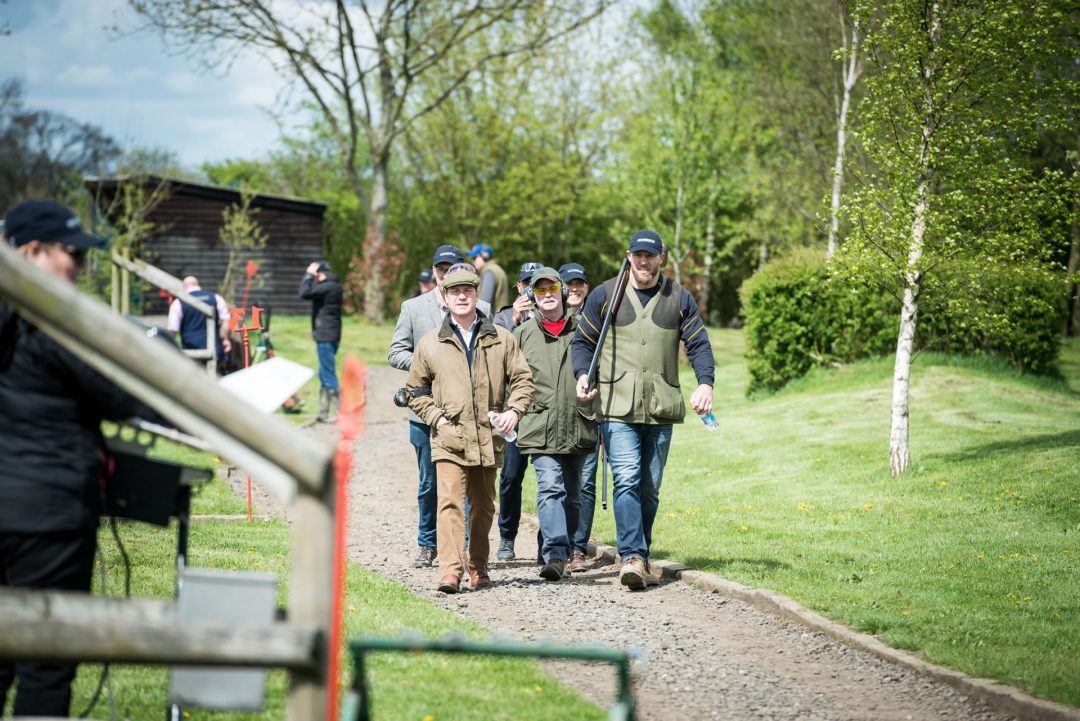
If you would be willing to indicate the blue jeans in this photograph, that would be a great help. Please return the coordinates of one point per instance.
(637, 453)
(427, 492)
(588, 504)
(327, 373)
(427, 495)
(558, 483)
(513, 473)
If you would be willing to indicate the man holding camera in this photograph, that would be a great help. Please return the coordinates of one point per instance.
(460, 372)
(419, 316)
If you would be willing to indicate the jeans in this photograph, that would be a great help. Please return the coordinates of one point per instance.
(583, 531)
(558, 483)
(327, 373)
(427, 492)
(637, 453)
(427, 495)
(513, 473)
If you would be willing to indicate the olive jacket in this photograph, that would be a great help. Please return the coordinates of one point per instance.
(443, 383)
(556, 422)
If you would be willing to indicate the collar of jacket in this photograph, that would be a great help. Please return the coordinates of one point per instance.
(486, 328)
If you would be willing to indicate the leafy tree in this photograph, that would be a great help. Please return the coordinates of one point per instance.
(959, 93)
(45, 154)
(361, 67)
(240, 233)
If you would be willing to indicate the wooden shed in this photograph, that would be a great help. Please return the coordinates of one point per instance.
(184, 240)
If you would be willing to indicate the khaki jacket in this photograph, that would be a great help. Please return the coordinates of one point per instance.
(463, 395)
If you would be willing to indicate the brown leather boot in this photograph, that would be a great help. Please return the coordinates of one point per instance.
(449, 584)
(479, 578)
(578, 562)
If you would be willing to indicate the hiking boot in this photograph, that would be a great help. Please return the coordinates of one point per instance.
(479, 578)
(449, 584)
(651, 579)
(555, 570)
(506, 550)
(578, 562)
(633, 574)
(324, 406)
(425, 557)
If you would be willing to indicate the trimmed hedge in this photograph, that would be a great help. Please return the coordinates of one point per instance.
(798, 317)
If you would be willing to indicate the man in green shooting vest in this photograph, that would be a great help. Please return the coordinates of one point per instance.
(638, 384)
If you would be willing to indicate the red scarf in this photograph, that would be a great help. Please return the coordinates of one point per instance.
(555, 327)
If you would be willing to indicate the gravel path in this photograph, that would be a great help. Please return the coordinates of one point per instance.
(704, 656)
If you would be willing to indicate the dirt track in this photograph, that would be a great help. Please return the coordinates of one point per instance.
(706, 656)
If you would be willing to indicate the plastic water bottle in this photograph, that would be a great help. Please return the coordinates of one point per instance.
(510, 437)
(711, 424)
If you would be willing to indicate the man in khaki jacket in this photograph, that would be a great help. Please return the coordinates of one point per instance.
(460, 371)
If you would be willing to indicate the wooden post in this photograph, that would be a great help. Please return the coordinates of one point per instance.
(311, 588)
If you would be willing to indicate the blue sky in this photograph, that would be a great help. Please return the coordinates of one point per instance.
(130, 86)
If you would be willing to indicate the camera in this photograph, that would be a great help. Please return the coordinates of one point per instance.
(401, 398)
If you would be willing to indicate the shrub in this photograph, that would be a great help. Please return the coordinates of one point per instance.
(799, 316)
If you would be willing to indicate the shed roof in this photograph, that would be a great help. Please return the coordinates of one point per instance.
(205, 190)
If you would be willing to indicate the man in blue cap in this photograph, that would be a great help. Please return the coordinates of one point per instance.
(419, 315)
(494, 285)
(51, 408)
(638, 384)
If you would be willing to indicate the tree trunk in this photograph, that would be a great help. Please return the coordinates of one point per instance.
(851, 75)
(677, 242)
(899, 454)
(710, 246)
(1072, 322)
(375, 242)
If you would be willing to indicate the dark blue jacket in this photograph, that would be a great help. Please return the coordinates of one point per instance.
(193, 324)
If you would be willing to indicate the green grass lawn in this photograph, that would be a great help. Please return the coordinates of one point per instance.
(970, 558)
(413, 686)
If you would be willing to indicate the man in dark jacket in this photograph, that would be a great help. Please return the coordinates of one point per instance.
(51, 408)
(558, 430)
(322, 288)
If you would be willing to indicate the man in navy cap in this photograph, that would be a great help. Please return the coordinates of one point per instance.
(51, 408)
(577, 284)
(425, 282)
(639, 390)
(322, 288)
(419, 315)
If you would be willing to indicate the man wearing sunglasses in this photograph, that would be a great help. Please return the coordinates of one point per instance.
(558, 430)
(419, 316)
(51, 408)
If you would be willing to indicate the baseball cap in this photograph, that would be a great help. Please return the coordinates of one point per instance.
(448, 254)
(49, 222)
(572, 271)
(542, 273)
(648, 241)
(481, 249)
(527, 270)
(324, 267)
(425, 276)
(461, 274)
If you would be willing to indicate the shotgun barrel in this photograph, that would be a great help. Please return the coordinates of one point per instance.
(609, 316)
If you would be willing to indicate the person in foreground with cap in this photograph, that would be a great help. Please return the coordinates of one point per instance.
(460, 372)
(559, 429)
(417, 318)
(51, 408)
(322, 288)
(639, 390)
(514, 464)
(191, 325)
(577, 284)
(494, 285)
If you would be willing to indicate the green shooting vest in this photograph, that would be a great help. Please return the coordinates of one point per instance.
(639, 363)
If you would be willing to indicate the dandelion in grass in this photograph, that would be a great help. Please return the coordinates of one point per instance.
(942, 484)
(743, 529)
(805, 507)
(539, 689)
(429, 717)
(868, 506)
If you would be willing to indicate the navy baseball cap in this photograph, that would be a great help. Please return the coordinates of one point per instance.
(48, 222)
(448, 254)
(526, 271)
(647, 241)
(572, 271)
(324, 267)
(426, 276)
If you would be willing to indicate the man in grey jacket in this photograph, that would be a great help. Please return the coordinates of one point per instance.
(418, 316)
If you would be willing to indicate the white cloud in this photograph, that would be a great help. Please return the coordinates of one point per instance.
(87, 76)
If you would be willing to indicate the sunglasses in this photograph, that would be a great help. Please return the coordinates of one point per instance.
(547, 290)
